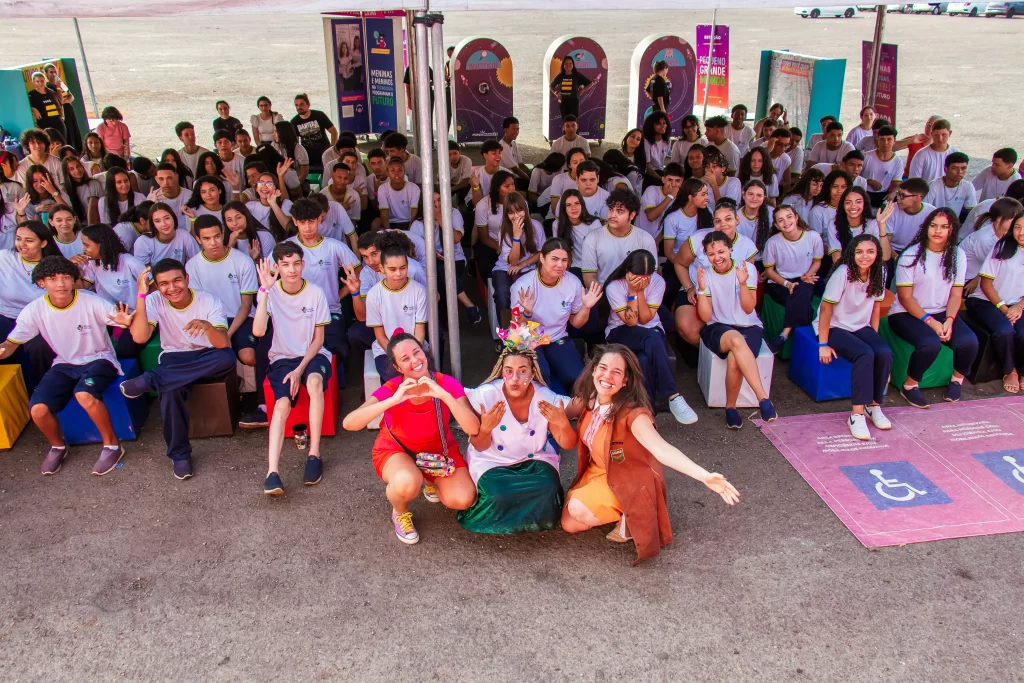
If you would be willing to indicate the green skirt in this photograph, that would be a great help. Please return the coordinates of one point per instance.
(517, 499)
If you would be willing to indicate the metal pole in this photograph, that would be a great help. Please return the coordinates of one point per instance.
(444, 186)
(422, 82)
(711, 59)
(85, 65)
(876, 57)
(414, 76)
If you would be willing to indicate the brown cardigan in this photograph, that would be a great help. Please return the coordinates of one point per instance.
(637, 480)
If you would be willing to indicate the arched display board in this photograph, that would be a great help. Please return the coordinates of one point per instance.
(592, 63)
(481, 88)
(682, 76)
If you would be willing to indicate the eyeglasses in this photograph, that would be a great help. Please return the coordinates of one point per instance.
(265, 183)
(904, 195)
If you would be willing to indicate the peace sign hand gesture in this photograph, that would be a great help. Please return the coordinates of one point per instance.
(351, 280)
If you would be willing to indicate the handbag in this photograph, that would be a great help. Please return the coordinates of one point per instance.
(433, 464)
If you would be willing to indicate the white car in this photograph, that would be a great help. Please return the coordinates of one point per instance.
(815, 12)
(971, 9)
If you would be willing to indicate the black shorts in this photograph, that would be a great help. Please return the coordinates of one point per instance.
(243, 338)
(712, 334)
(320, 365)
(682, 299)
(61, 382)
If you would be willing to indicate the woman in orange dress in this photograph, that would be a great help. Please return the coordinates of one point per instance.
(619, 475)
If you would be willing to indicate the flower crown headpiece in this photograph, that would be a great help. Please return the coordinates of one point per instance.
(523, 335)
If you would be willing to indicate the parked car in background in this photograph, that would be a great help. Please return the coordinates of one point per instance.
(970, 9)
(929, 7)
(815, 12)
(1004, 9)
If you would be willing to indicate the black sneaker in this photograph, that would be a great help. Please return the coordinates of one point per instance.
(135, 387)
(314, 470)
(183, 469)
(473, 313)
(254, 420)
(953, 391)
(733, 419)
(273, 486)
(767, 410)
(914, 397)
(776, 345)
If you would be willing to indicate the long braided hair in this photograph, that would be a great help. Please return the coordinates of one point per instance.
(949, 253)
(528, 354)
(876, 273)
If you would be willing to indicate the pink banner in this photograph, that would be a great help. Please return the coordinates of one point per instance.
(885, 97)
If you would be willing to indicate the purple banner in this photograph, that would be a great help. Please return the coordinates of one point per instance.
(482, 89)
(350, 75)
(682, 71)
(381, 43)
(885, 96)
(713, 78)
(590, 61)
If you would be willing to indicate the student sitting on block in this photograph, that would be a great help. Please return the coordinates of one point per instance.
(194, 346)
(74, 324)
(297, 353)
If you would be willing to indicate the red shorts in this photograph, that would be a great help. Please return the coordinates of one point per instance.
(384, 447)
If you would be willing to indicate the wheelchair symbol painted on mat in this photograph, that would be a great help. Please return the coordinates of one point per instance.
(1007, 465)
(894, 485)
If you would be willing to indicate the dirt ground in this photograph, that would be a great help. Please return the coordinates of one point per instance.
(138, 577)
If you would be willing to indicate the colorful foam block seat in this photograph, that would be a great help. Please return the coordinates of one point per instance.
(822, 382)
(13, 405)
(711, 378)
(214, 408)
(300, 413)
(127, 414)
(150, 355)
(772, 315)
(938, 375)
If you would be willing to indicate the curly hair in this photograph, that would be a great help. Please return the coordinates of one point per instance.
(949, 253)
(109, 243)
(394, 243)
(631, 395)
(767, 167)
(876, 273)
(528, 354)
(52, 266)
(843, 221)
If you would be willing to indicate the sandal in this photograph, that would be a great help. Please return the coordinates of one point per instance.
(1011, 388)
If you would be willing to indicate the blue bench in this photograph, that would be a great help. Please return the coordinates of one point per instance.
(127, 414)
(822, 382)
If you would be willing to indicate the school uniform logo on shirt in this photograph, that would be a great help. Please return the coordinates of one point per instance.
(84, 329)
(307, 311)
(565, 304)
(408, 310)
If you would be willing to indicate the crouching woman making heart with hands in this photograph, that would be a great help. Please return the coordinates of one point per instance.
(415, 448)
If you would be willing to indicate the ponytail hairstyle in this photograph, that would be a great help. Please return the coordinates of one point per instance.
(691, 187)
(767, 168)
(843, 221)
(826, 190)
(494, 191)
(803, 186)
(137, 213)
(637, 262)
(949, 254)
(516, 201)
(765, 227)
(564, 229)
(1007, 245)
(110, 244)
(876, 273)
(1002, 209)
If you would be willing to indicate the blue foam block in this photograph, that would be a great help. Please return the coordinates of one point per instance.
(822, 382)
(127, 414)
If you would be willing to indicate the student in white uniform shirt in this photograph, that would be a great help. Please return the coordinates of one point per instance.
(482, 176)
(169, 191)
(134, 224)
(847, 328)
(297, 354)
(801, 197)
(32, 243)
(823, 208)
(815, 138)
(738, 131)
(397, 145)
(692, 256)
(883, 169)
(190, 151)
(575, 222)
(689, 135)
(230, 276)
(74, 324)
(460, 167)
(862, 129)
(84, 193)
(975, 220)
(166, 239)
(398, 198)
(64, 226)
(35, 142)
(231, 161)
(209, 164)
(112, 273)
(782, 162)
(570, 140)
(687, 214)
(541, 178)
(604, 249)
(720, 185)
(588, 182)
(950, 189)
(272, 209)
(929, 163)
(992, 182)
(520, 240)
(832, 149)
(792, 258)
(757, 165)
(657, 199)
(324, 259)
(294, 166)
(395, 304)
(727, 295)
(635, 292)
(567, 180)
(245, 233)
(657, 145)
(978, 246)
(911, 209)
(208, 199)
(510, 155)
(852, 165)
(488, 216)
(334, 221)
(194, 347)
(997, 304)
(555, 298)
(853, 218)
(340, 191)
(43, 193)
(715, 132)
(755, 215)
(930, 280)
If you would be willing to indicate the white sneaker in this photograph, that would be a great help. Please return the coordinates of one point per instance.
(859, 427)
(681, 411)
(877, 418)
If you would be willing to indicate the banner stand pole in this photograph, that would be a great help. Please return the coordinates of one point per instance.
(711, 60)
(876, 57)
(85, 65)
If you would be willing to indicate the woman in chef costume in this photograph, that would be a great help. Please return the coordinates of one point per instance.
(511, 459)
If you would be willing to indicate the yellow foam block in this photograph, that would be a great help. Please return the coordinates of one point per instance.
(13, 405)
